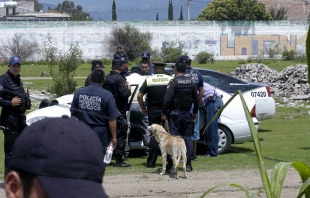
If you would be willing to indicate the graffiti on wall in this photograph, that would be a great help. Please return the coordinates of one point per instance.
(256, 44)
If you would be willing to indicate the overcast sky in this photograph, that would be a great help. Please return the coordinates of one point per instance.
(136, 10)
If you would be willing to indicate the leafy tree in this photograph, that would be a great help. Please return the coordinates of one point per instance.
(62, 67)
(233, 10)
(181, 14)
(157, 16)
(19, 46)
(278, 14)
(170, 11)
(37, 6)
(170, 52)
(114, 15)
(76, 12)
(131, 39)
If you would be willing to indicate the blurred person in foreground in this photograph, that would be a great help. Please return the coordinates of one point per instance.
(56, 158)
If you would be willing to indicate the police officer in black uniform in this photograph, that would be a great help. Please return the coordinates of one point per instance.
(121, 90)
(181, 93)
(95, 65)
(155, 87)
(120, 53)
(95, 106)
(125, 71)
(14, 101)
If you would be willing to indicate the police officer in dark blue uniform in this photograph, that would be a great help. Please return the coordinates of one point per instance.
(146, 56)
(95, 65)
(125, 71)
(181, 93)
(120, 53)
(14, 101)
(155, 87)
(121, 90)
(95, 106)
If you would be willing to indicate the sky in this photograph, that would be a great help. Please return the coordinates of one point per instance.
(136, 10)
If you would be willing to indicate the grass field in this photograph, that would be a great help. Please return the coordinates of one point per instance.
(285, 137)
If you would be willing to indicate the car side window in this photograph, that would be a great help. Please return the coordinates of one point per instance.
(212, 80)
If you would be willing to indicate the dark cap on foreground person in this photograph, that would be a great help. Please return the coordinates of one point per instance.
(117, 62)
(96, 64)
(64, 154)
(124, 60)
(145, 55)
(185, 59)
(158, 63)
(15, 59)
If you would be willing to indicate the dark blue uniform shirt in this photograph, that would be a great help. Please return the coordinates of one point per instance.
(94, 106)
(196, 77)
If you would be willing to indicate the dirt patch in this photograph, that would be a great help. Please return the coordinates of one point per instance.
(154, 185)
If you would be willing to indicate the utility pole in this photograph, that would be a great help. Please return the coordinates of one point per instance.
(188, 14)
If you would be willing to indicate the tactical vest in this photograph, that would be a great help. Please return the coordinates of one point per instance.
(17, 90)
(156, 89)
(183, 94)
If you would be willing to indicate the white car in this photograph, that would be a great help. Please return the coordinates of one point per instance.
(233, 126)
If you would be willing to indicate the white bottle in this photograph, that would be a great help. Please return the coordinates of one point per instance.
(109, 153)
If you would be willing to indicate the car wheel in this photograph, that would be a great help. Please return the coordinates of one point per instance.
(225, 139)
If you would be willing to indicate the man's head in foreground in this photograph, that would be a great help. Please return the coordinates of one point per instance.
(56, 158)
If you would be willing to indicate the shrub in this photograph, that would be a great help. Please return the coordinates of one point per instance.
(170, 53)
(132, 41)
(289, 55)
(204, 57)
(272, 52)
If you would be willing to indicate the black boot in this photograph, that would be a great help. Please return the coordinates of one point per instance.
(120, 162)
(189, 167)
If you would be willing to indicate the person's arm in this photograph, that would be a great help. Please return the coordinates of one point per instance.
(112, 127)
(124, 90)
(141, 103)
(196, 99)
(200, 94)
(168, 98)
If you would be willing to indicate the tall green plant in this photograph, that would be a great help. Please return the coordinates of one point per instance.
(62, 67)
(272, 186)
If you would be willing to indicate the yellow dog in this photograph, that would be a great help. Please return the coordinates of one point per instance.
(172, 145)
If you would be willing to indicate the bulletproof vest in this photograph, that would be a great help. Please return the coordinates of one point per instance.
(111, 84)
(156, 89)
(183, 94)
(17, 90)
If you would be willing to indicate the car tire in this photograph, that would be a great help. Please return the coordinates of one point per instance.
(225, 139)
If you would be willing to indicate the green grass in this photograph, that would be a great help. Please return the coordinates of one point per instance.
(282, 139)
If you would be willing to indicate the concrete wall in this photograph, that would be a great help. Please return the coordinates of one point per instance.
(226, 40)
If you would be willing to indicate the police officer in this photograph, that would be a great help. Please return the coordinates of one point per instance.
(155, 87)
(95, 65)
(120, 53)
(181, 93)
(198, 81)
(95, 106)
(121, 91)
(146, 57)
(124, 70)
(14, 101)
(212, 102)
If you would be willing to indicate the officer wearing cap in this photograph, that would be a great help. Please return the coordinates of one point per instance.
(146, 56)
(95, 106)
(124, 70)
(181, 93)
(121, 90)
(155, 88)
(95, 65)
(120, 53)
(198, 80)
(14, 102)
(56, 158)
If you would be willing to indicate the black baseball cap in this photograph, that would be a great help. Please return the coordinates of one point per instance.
(117, 62)
(65, 155)
(145, 55)
(158, 63)
(124, 60)
(185, 59)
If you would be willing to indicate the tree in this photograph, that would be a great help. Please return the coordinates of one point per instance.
(157, 16)
(62, 67)
(233, 10)
(19, 46)
(181, 14)
(114, 15)
(76, 13)
(170, 11)
(278, 14)
(37, 6)
(131, 39)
